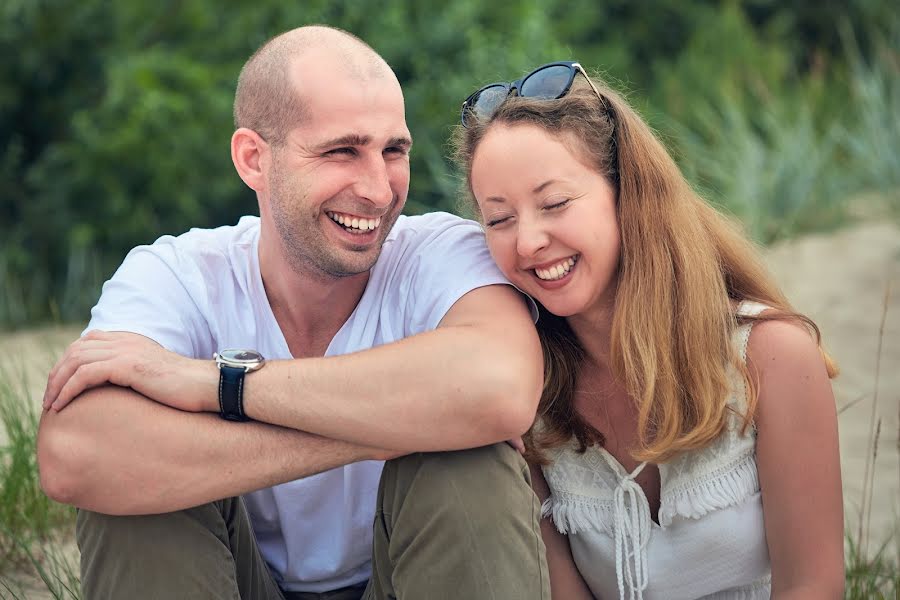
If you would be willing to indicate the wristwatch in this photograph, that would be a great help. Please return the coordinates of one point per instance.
(233, 365)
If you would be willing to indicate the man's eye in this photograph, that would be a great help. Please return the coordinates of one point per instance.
(339, 151)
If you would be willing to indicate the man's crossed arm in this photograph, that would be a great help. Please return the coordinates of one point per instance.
(473, 381)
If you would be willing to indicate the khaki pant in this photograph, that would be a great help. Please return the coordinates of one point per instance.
(448, 525)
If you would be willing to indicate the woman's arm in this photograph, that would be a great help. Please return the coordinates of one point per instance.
(566, 582)
(799, 462)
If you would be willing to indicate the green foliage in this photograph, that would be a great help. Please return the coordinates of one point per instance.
(31, 525)
(772, 174)
(115, 117)
(27, 517)
(876, 577)
(873, 136)
(57, 571)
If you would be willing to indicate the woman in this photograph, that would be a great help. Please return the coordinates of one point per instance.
(687, 431)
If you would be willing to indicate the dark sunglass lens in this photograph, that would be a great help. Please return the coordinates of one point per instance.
(549, 82)
(487, 100)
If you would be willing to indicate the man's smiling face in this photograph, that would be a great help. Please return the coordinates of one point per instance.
(339, 181)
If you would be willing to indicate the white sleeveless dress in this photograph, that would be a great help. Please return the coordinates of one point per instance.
(710, 541)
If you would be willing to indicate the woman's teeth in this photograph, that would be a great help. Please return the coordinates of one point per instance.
(557, 271)
(354, 224)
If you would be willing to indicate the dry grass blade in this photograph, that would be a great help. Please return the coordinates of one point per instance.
(869, 474)
(872, 481)
(852, 403)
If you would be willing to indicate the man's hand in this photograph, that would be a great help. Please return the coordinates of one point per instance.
(132, 361)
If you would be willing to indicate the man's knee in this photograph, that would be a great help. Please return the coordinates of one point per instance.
(151, 555)
(124, 533)
(487, 480)
(459, 524)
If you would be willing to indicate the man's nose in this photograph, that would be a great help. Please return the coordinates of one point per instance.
(374, 183)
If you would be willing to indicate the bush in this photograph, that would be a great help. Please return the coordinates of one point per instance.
(115, 118)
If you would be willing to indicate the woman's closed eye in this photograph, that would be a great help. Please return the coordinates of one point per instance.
(497, 221)
(557, 204)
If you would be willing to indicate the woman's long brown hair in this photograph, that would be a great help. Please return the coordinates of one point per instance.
(683, 268)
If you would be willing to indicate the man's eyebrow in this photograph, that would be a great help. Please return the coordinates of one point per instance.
(355, 139)
(400, 141)
(351, 139)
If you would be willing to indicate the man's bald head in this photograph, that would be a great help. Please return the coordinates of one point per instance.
(269, 98)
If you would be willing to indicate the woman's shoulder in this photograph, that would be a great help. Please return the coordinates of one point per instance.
(786, 359)
(783, 338)
(784, 347)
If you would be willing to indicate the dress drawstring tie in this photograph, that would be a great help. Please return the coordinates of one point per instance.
(632, 533)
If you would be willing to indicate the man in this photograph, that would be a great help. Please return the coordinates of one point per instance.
(393, 338)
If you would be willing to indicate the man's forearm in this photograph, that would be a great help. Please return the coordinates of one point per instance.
(115, 452)
(441, 390)
(473, 381)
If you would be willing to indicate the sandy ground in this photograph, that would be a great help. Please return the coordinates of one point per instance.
(840, 281)
(837, 279)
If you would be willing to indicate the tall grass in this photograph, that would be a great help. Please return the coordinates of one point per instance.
(776, 170)
(25, 512)
(873, 575)
(872, 147)
(31, 525)
(872, 144)
(52, 572)
(787, 154)
(30, 295)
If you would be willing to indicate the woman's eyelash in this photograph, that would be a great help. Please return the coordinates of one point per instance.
(552, 206)
(559, 204)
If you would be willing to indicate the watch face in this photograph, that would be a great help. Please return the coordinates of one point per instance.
(241, 356)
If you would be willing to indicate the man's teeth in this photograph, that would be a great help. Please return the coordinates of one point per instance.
(556, 271)
(354, 223)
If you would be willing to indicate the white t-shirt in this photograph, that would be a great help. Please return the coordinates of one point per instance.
(202, 291)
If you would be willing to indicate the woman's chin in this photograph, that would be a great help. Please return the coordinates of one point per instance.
(557, 308)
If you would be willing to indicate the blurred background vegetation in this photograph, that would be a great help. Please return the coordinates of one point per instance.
(115, 117)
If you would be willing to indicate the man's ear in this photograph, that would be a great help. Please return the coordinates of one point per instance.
(249, 153)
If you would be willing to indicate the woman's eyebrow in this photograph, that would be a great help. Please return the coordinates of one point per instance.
(541, 187)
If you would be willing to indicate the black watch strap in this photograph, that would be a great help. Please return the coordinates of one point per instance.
(231, 393)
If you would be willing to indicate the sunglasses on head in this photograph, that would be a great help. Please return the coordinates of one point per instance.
(550, 82)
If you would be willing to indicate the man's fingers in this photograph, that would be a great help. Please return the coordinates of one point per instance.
(51, 390)
(77, 358)
(61, 373)
(85, 377)
(81, 351)
(88, 362)
(56, 378)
